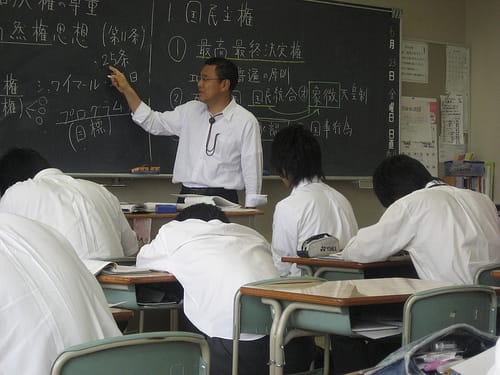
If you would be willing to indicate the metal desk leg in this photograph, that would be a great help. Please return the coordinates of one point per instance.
(276, 306)
(236, 332)
(174, 319)
(141, 321)
(280, 330)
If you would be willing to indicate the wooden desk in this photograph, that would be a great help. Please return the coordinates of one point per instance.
(323, 306)
(247, 216)
(337, 269)
(154, 221)
(142, 278)
(120, 290)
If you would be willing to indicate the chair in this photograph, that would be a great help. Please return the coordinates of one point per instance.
(143, 353)
(483, 275)
(252, 315)
(431, 310)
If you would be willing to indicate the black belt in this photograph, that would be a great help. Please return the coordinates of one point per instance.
(229, 194)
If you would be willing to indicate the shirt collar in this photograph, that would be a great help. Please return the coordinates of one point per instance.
(48, 172)
(229, 110)
(306, 181)
(433, 183)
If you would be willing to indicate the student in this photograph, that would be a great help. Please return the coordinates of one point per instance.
(313, 207)
(49, 299)
(448, 232)
(219, 149)
(212, 258)
(87, 214)
(495, 366)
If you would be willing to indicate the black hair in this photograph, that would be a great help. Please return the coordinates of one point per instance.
(296, 155)
(202, 211)
(225, 69)
(19, 164)
(397, 176)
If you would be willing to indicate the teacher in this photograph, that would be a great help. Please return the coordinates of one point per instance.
(220, 150)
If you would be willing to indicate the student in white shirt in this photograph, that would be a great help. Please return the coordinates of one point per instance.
(212, 258)
(313, 207)
(219, 150)
(495, 366)
(448, 232)
(86, 213)
(49, 299)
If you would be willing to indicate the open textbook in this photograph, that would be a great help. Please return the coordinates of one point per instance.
(133, 207)
(104, 267)
(223, 203)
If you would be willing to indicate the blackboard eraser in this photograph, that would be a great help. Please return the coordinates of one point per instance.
(145, 169)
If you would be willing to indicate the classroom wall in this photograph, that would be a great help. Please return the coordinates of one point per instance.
(443, 21)
(482, 32)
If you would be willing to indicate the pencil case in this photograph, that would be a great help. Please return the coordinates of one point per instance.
(319, 245)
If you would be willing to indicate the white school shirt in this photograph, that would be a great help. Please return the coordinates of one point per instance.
(211, 260)
(448, 232)
(495, 368)
(312, 207)
(87, 214)
(49, 299)
(237, 159)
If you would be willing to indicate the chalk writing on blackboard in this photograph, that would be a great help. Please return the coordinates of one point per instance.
(331, 67)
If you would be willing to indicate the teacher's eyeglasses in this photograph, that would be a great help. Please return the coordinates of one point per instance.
(205, 79)
(211, 150)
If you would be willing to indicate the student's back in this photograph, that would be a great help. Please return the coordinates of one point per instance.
(454, 232)
(84, 212)
(312, 207)
(449, 232)
(49, 299)
(211, 259)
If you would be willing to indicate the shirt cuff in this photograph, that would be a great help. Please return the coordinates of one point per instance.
(141, 113)
(255, 200)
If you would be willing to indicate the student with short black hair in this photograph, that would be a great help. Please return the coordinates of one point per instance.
(448, 232)
(313, 207)
(86, 213)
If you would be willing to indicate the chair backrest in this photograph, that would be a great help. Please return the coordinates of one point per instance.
(483, 275)
(429, 311)
(142, 353)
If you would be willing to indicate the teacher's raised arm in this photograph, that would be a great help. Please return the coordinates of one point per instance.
(119, 81)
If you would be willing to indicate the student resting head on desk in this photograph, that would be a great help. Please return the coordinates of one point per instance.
(49, 299)
(87, 214)
(448, 232)
(219, 150)
(212, 258)
(313, 207)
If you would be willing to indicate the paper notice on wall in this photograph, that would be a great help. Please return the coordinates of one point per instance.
(458, 78)
(414, 62)
(457, 69)
(418, 131)
(452, 119)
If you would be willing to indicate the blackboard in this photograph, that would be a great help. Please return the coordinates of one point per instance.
(330, 66)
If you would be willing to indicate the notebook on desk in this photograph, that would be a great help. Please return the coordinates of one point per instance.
(106, 267)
